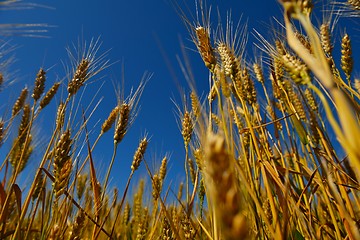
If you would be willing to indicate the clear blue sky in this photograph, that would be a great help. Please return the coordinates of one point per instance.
(136, 32)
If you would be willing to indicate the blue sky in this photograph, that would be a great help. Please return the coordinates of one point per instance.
(138, 33)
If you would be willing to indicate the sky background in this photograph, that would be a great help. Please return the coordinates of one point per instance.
(142, 35)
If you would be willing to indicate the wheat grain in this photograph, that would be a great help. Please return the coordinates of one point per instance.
(311, 100)
(297, 70)
(62, 163)
(110, 120)
(198, 154)
(122, 123)
(60, 115)
(258, 73)
(156, 186)
(195, 104)
(80, 76)
(20, 101)
(192, 170)
(279, 46)
(347, 61)
(49, 95)
(137, 204)
(77, 227)
(187, 128)
(325, 39)
(24, 124)
(205, 48)
(220, 75)
(230, 63)
(248, 88)
(163, 169)
(139, 154)
(355, 4)
(126, 215)
(295, 101)
(189, 231)
(39, 186)
(55, 232)
(180, 191)
(222, 187)
(143, 225)
(296, 7)
(304, 41)
(314, 126)
(357, 85)
(81, 185)
(39, 84)
(22, 146)
(166, 231)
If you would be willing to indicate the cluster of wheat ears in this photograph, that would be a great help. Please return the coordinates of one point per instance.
(259, 161)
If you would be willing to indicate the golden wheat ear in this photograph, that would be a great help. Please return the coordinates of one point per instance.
(49, 95)
(79, 78)
(204, 47)
(122, 124)
(20, 101)
(108, 123)
(222, 188)
(62, 163)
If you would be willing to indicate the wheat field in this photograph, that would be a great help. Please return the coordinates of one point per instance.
(271, 150)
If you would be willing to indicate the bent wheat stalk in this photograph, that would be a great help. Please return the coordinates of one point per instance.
(317, 62)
